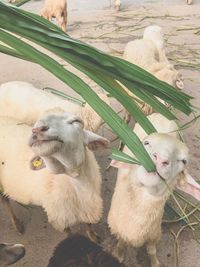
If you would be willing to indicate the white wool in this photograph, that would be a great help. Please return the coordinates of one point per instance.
(65, 199)
(21, 100)
(135, 214)
(149, 54)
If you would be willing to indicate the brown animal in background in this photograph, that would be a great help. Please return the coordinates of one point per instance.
(56, 9)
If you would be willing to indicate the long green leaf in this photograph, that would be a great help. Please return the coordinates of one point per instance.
(108, 115)
(120, 156)
(46, 35)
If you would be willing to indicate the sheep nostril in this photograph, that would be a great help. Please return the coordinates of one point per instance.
(34, 136)
(34, 130)
(40, 129)
(155, 156)
(44, 128)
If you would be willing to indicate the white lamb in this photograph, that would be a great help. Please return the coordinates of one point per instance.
(139, 197)
(69, 187)
(26, 103)
(149, 54)
(56, 9)
(117, 4)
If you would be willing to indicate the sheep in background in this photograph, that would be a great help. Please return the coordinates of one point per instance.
(26, 103)
(56, 9)
(139, 197)
(117, 4)
(149, 54)
(10, 253)
(78, 251)
(63, 178)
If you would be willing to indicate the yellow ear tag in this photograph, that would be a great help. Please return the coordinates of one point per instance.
(37, 163)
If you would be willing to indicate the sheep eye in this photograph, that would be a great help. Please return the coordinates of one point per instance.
(75, 120)
(146, 143)
(184, 161)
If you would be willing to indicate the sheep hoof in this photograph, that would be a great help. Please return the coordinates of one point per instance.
(117, 7)
(189, 2)
(154, 261)
(119, 251)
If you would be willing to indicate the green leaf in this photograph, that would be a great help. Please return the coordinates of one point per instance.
(108, 115)
(120, 156)
(65, 96)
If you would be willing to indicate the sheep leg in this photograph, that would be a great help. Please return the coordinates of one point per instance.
(68, 231)
(151, 250)
(62, 20)
(189, 2)
(119, 250)
(64, 25)
(127, 119)
(92, 235)
(15, 221)
(117, 4)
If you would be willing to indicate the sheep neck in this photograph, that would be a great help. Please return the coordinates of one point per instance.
(158, 190)
(66, 162)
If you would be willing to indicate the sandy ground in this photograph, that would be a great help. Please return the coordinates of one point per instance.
(96, 23)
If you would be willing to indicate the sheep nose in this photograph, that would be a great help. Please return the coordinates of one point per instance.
(159, 160)
(37, 130)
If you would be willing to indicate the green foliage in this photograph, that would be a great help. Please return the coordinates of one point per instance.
(103, 69)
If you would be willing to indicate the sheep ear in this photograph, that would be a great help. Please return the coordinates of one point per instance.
(190, 186)
(120, 165)
(94, 141)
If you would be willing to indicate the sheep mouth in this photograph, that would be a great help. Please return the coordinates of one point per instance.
(38, 142)
(157, 174)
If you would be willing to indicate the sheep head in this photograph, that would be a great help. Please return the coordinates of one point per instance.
(61, 140)
(170, 75)
(170, 156)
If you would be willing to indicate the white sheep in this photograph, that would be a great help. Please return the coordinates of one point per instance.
(26, 103)
(117, 4)
(65, 180)
(139, 197)
(149, 54)
(56, 9)
(10, 253)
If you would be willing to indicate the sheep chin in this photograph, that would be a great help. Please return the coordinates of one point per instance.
(46, 148)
